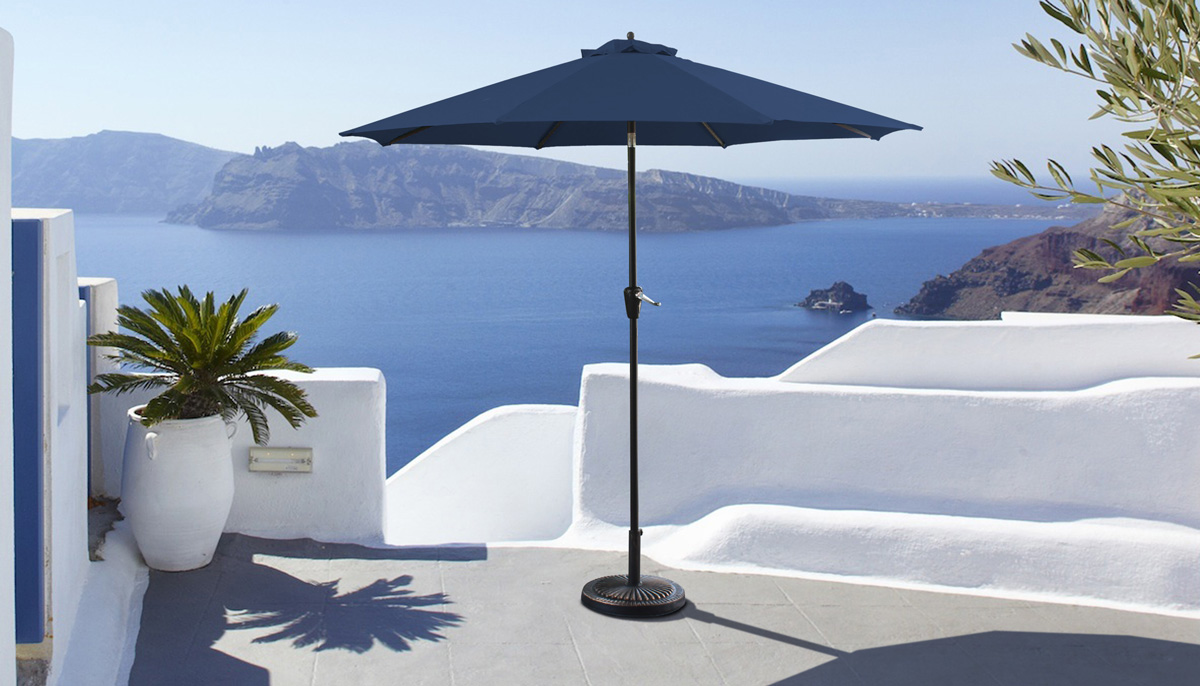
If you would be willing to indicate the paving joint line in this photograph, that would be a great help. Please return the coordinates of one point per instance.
(720, 674)
(191, 644)
(575, 646)
(449, 644)
(945, 635)
(828, 643)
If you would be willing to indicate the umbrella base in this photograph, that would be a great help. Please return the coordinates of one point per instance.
(613, 595)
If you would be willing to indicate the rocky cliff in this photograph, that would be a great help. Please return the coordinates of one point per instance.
(113, 171)
(840, 298)
(361, 185)
(1036, 274)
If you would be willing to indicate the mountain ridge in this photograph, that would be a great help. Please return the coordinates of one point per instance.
(363, 186)
(113, 172)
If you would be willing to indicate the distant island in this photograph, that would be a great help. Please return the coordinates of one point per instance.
(840, 298)
(362, 186)
(1036, 274)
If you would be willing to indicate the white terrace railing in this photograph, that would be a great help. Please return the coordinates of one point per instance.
(974, 447)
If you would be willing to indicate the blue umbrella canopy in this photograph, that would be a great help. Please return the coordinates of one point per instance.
(588, 101)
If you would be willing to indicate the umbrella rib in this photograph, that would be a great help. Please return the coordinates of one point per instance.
(682, 67)
(549, 133)
(713, 134)
(583, 65)
(851, 129)
(402, 136)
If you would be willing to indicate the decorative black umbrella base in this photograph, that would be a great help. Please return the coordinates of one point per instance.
(613, 595)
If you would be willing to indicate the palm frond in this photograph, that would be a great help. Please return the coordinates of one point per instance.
(283, 392)
(242, 335)
(171, 313)
(209, 359)
(282, 363)
(250, 406)
(266, 352)
(164, 406)
(117, 383)
(142, 324)
(135, 351)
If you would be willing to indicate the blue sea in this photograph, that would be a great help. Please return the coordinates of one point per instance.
(461, 321)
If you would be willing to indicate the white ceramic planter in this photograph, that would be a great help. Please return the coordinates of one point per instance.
(177, 489)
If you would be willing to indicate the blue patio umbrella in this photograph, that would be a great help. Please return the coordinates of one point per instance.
(624, 93)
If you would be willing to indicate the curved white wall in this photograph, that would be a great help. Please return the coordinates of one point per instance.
(1020, 352)
(1084, 493)
(503, 476)
(1125, 563)
(708, 442)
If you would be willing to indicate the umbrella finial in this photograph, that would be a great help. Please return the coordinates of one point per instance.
(629, 36)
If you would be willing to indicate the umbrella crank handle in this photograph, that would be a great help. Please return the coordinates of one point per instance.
(634, 297)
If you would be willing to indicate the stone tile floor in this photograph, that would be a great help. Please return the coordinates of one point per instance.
(301, 612)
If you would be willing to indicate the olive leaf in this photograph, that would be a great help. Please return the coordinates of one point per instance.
(1144, 58)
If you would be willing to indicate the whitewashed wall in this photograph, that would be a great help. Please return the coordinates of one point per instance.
(504, 476)
(105, 439)
(64, 429)
(8, 673)
(707, 442)
(1022, 352)
(965, 488)
(66, 418)
(1039, 456)
(342, 500)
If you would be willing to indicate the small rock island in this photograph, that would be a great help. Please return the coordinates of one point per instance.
(840, 298)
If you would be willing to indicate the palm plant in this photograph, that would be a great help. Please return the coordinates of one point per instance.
(206, 358)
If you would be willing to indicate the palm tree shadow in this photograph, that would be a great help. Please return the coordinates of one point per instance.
(383, 611)
(185, 615)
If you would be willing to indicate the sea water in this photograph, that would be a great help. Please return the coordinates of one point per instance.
(461, 321)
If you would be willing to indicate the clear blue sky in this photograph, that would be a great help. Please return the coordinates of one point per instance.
(235, 74)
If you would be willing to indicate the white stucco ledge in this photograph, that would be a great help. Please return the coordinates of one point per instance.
(1121, 563)
(1022, 351)
(38, 212)
(503, 476)
(105, 633)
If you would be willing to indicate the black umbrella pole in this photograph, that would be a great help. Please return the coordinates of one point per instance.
(633, 595)
(635, 534)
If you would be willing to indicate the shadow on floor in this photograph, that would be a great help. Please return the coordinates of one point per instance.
(1006, 658)
(1017, 658)
(317, 615)
(243, 547)
(699, 615)
(185, 614)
